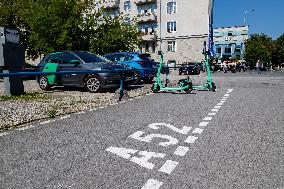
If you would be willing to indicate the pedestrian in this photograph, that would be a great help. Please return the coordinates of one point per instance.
(259, 69)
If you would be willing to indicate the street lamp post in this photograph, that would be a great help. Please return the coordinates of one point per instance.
(245, 13)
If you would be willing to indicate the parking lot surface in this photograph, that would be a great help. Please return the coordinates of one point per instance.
(232, 138)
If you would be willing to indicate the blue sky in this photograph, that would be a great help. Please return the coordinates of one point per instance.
(267, 18)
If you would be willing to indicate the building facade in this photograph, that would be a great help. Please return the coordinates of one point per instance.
(177, 27)
(229, 42)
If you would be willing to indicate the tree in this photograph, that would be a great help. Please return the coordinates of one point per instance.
(258, 48)
(57, 25)
(115, 34)
(278, 51)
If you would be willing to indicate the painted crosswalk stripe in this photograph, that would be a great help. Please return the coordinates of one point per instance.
(197, 131)
(212, 114)
(152, 184)
(181, 151)
(207, 119)
(217, 107)
(191, 139)
(25, 128)
(203, 124)
(168, 166)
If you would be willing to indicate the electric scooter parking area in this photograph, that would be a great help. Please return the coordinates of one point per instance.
(184, 84)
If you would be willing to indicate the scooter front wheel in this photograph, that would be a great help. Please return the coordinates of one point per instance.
(155, 89)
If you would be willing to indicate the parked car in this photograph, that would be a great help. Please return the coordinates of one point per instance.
(137, 61)
(82, 61)
(191, 68)
(165, 68)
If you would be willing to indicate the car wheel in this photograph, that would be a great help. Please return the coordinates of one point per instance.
(43, 83)
(93, 84)
(138, 78)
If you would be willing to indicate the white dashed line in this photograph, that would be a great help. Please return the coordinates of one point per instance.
(181, 151)
(46, 122)
(79, 113)
(212, 114)
(168, 166)
(203, 124)
(197, 131)
(226, 95)
(64, 117)
(102, 107)
(217, 107)
(207, 119)
(152, 184)
(3, 134)
(222, 101)
(215, 110)
(25, 128)
(94, 109)
(130, 99)
(191, 139)
(219, 104)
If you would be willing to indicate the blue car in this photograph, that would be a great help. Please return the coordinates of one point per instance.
(144, 65)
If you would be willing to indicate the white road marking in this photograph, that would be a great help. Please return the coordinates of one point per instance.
(144, 157)
(94, 109)
(152, 184)
(25, 128)
(148, 138)
(64, 117)
(222, 101)
(219, 104)
(226, 95)
(217, 107)
(102, 107)
(181, 151)
(79, 113)
(214, 110)
(3, 134)
(168, 166)
(138, 97)
(212, 114)
(207, 119)
(185, 130)
(46, 122)
(230, 90)
(197, 131)
(203, 124)
(191, 139)
(122, 152)
(130, 99)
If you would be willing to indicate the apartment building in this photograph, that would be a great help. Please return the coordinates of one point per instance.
(177, 27)
(229, 42)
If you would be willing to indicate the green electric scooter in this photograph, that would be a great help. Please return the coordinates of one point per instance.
(210, 85)
(183, 84)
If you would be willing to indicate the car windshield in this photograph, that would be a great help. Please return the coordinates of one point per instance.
(146, 57)
(90, 57)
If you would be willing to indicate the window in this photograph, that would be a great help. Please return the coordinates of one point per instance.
(171, 26)
(171, 7)
(147, 47)
(127, 5)
(153, 47)
(230, 34)
(171, 46)
(53, 58)
(68, 57)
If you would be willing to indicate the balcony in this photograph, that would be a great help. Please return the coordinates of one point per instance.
(111, 4)
(147, 17)
(149, 37)
(141, 2)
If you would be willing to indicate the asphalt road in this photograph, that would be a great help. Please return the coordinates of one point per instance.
(232, 138)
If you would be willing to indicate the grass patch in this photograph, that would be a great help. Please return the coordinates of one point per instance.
(26, 97)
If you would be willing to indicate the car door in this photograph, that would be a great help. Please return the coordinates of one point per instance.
(68, 64)
(51, 64)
